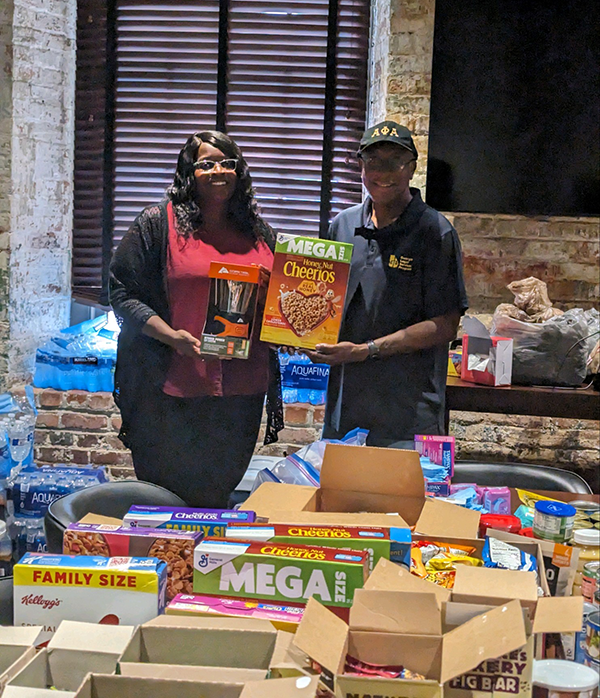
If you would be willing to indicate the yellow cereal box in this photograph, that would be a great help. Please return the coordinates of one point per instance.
(305, 299)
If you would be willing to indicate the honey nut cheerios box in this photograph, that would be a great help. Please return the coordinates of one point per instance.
(174, 547)
(307, 288)
(109, 590)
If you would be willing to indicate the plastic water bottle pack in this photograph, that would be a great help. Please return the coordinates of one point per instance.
(301, 380)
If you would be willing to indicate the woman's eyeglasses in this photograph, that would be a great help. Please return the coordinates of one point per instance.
(229, 165)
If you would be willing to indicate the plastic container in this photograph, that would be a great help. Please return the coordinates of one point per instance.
(6, 551)
(587, 541)
(558, 678)
(553, 521)
(499, 522)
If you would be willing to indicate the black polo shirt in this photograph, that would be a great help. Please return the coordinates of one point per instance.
(400, 275)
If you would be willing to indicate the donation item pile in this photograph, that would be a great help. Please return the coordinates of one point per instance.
(363, 585)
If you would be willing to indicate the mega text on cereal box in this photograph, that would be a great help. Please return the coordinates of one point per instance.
(306, 293)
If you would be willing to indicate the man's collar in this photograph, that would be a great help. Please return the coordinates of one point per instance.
(411, 213)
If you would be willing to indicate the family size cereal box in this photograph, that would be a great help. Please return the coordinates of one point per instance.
(176, 548)
(305, 298)
(111, 590)
(286, 573)
(210, 522)
(390, 543)
(281, 617)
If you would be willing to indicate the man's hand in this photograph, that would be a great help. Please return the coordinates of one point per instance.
(342, 353)
(185, 344)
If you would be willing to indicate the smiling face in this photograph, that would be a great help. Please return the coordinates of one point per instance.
(217, 184)
(386, 171)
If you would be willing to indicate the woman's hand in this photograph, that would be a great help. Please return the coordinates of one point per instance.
(185, 344)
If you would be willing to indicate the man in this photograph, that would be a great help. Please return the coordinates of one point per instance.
(405, 298)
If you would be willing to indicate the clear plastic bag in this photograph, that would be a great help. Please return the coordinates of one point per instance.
(553, 352)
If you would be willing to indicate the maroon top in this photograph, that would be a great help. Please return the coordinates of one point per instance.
(188, 261)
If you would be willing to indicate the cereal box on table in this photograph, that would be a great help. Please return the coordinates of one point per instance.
(111, 590)
(176, 548)
(271, 571)
(307, 288)
(210, 522)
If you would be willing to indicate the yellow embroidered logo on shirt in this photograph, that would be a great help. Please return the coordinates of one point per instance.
(404, 263)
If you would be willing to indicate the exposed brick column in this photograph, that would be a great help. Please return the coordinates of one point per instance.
(37, 87)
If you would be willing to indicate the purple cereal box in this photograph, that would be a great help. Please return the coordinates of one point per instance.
(211, 522)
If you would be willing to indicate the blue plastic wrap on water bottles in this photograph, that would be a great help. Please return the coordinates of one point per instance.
(304, 466)
(81, 357)
(301, 380)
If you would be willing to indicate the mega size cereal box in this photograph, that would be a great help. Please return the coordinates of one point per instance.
(307, 288)
(111, 590)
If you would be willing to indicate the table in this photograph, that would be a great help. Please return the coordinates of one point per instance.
(570, 403)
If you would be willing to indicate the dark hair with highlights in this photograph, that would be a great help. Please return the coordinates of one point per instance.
(242, 207)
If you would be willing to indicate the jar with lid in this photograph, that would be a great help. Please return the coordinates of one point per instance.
(557, 678)
(587, 541)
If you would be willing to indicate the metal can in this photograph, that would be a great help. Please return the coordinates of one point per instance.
(592, 638)
(589, 580)
(553, 521)
(585, 506)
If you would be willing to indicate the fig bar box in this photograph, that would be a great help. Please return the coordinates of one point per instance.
(111, 590)
(176, 548)
(211, 522)
(305, 298)
(286, 573)
(390, 543)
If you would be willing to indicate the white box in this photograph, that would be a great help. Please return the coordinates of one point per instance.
(17, 647)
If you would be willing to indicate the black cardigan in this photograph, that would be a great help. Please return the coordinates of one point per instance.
(137, 291)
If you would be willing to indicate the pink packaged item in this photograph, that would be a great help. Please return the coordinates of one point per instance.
(496, 500)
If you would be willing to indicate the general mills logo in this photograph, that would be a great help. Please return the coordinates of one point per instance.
(203, 561)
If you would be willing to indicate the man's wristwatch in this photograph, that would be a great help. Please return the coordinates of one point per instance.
(373, 349)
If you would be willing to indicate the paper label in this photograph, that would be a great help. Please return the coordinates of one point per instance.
(504, 555)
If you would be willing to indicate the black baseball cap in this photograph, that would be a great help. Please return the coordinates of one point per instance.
(388, 132)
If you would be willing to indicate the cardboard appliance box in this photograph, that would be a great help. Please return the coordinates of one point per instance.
(390, 543)
(102, 686)
(307, 288)
(74, 651)
(286, 573)
(176, 548)
(51, 588)
(281, 617)
(485, 359)
(379, 481)
(211, 522)
(17, 647)
(229, 328)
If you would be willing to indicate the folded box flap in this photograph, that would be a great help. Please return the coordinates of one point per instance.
(271, 495)
(558, 614)
(21, 637)
(486, 583)
(446, 519)
(211, 623)
(323, 637)
(297, 687)
(396, 612)
(90, 637)
(490, 635)
(388, 576)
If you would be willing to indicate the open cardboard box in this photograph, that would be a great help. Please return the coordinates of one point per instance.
(200, 649)
(303, 687)
(103, 686)
(386, 483)
(17, 647)
(74, 650)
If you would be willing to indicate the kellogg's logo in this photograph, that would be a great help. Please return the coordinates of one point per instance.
(39, 600)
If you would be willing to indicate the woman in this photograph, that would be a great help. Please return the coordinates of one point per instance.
(191, 421)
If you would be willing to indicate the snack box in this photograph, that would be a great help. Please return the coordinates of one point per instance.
(440, 451)
(390, 543)
(286, 573)
(307, 288)
(116, 590)
(281, 617)
(211, 522)
(232, 301)
(176, 548)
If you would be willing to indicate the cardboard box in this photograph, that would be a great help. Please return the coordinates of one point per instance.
(280, 617)
(231, 310)
(101, 686)
(51, 588)
(307, 288)
(210, 522)
(287, 573)
(440, 451)
(17, 647)
(389, 543)
(299, 687)
(192, 648)
(74, 651)
(354, 480)
(486, 360)
(176, 548)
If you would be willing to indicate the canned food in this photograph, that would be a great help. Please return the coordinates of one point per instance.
(589, 580)
(586, 507)
(592, 636)
(553, 521)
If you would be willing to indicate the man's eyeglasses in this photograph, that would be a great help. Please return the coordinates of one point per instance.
(229, 165)
(377, 164)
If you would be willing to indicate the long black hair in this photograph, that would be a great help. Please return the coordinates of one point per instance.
(242, 207)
